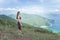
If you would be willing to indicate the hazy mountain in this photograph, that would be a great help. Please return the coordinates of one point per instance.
(34, 20)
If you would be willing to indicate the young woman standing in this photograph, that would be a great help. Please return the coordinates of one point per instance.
(19, 22)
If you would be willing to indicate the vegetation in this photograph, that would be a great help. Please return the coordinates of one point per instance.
(9, 31)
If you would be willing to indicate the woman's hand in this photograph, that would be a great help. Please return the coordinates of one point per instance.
(21, 24)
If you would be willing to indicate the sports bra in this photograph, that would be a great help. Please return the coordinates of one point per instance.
(20, 17)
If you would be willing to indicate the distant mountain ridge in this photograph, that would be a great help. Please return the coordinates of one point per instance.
(34, 20)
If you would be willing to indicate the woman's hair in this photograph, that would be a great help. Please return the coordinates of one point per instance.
(17, 14)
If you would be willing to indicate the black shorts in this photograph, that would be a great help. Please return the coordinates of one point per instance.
(19, 26)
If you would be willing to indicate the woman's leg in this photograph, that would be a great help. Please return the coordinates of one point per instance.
(19, 27)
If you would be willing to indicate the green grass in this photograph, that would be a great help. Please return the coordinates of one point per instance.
(30, 32)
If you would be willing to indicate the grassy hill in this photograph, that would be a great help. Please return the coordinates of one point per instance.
(8, 31)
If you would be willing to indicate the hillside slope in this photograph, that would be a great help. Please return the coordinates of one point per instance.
(8, 31)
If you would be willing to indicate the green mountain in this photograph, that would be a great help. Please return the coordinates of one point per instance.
(5, 20)
(9, 31)
(34, 20)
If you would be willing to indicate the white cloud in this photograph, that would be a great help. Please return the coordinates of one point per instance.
(28, 10)
(54, 10)
(32, 10)
(10, 9)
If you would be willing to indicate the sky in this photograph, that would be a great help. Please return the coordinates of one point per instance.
(39, 7)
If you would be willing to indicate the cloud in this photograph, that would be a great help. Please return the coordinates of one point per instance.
(39, 7)
(54, 11)
(32, 10)
(10, 9)
(25, 3)
(27, 10)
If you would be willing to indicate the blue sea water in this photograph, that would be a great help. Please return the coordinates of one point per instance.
(56, 25)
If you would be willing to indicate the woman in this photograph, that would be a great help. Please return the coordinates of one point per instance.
(19, 22)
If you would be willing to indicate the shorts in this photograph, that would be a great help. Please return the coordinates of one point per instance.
(19, 26)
